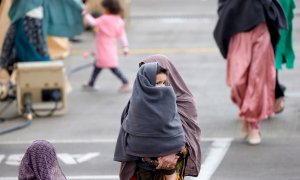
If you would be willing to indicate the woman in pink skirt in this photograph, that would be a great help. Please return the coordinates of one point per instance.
(247, 33)
(109, 27)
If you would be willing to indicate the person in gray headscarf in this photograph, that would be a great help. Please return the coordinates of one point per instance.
(186, 108)
(152, 127)
(40, 163)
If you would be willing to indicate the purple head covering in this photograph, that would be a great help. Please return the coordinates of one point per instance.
(40, 163)
(186, 107)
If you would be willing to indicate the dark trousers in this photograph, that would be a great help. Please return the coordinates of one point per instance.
(279, 88)
(114, 70)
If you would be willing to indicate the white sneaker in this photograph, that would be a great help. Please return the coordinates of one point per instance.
(254, 137)
(125, 88)
(88, 87)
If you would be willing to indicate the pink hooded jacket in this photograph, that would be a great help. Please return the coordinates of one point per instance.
(109, 28)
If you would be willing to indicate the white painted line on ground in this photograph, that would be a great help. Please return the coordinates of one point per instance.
(94, 177)
(213, 159)
(79, 51)
(75, 177)
(215, 156)
(86, 141)
(1, 157)
(14, 159)
(86, 157)
(67, 141)
(66, 158)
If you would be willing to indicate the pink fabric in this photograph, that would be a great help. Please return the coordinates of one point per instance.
(251, 73)
(109, 28)
(90, 19)
(254, 125)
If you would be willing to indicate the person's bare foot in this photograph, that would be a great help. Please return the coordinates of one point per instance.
(244, 132)
(88, 87)
(279, 105)
(125, 88)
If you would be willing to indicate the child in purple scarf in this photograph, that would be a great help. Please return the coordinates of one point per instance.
(40, 163)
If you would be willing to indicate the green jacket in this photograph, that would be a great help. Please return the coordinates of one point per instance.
(61, 17)
(284, 50)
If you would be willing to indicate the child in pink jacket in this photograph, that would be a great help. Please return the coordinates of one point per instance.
(109, 27)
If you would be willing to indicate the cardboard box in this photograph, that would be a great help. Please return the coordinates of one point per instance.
(37, 78)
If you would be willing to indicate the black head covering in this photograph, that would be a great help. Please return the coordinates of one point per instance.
(243, 15)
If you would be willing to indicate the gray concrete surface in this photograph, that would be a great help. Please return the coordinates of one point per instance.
(183, 31)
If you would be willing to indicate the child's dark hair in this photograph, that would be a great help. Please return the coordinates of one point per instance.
(161, 70)
(113, 6)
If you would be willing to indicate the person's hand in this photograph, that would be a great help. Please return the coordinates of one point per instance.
(167, 162)
(125, 51)
(86, 55)
(84, 11)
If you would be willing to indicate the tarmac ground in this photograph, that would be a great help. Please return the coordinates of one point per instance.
(85, 136)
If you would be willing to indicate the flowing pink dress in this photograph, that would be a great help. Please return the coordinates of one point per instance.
(251, 73)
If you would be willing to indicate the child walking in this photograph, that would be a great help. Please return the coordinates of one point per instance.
(109, 27)
(153, 128)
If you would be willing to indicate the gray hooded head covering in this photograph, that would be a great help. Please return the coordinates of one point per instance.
(186, 107)
(153, 124)
(40, 163)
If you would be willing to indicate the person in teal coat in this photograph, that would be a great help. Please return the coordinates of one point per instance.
(31, 22)
(284, 53)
